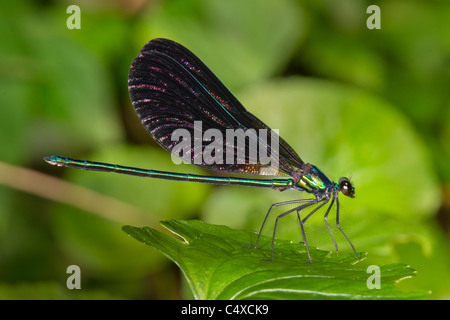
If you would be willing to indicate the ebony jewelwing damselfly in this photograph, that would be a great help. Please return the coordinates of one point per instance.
(171, 89)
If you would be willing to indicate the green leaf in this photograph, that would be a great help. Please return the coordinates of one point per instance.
(217, 265)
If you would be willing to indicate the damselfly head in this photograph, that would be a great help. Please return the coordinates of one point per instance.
(346, 187)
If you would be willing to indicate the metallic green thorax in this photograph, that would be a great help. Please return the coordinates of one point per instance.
(313, 181)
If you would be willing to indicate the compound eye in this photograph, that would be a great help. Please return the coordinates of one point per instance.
(346, 187)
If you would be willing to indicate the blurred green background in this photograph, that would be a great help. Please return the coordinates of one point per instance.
(370, 104)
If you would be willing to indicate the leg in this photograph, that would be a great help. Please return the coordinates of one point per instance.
(304, 220)
(329, 230)
(270, 209)
(314, 201)
(337, 223)
(318, 207)
(304, 237)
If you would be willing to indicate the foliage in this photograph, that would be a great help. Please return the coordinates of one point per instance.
(217, 265)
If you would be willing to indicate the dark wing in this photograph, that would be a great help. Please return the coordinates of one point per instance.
(170, 88)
